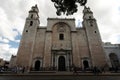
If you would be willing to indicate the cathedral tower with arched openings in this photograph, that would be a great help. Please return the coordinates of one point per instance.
(60, 45)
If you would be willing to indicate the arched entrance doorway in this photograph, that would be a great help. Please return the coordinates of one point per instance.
(114, 60)
(61, 63)
(37, 65)
(86, 64)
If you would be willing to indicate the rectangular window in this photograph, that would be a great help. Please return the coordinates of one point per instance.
(61, 36)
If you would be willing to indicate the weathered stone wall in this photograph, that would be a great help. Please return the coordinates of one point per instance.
(38, 51)
(82, 44)
(25, 50)
(95, 44)
(58, 44)
(12, 62)
(111, 49)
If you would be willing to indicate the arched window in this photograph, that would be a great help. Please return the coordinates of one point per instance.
(32, 16)
(61, 36)
(31, 23)
(114, 60)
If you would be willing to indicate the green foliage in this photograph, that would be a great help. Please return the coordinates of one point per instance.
(67, 7)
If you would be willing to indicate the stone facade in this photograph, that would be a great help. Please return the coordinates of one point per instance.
(12, 62)
(60, 44)
(112, 54)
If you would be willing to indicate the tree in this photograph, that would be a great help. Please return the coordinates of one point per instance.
(67, 7)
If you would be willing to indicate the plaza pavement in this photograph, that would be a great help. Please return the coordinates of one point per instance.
(59, 76)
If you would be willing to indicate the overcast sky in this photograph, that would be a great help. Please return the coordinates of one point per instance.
(14, 12)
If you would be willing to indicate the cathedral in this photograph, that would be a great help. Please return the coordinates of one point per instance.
(60, 44)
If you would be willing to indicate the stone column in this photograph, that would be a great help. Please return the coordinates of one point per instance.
(47, 50)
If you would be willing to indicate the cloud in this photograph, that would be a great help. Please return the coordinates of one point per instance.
(114, 38)
(6, 29)
(3, 40)
(6, 51)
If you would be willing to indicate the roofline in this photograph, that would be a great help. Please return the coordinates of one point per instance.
(60, 18)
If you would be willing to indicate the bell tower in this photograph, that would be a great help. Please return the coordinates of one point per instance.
(25, 50)
(95, 46)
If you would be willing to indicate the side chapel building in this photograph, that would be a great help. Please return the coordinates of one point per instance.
(60, 44)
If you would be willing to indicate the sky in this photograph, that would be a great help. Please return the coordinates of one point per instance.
(14, 12)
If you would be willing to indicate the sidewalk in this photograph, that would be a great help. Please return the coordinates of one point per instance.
(60, 73)
(60, 76)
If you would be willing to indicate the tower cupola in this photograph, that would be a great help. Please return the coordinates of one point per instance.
(87, 13)
(33, 13)
(34, 9)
